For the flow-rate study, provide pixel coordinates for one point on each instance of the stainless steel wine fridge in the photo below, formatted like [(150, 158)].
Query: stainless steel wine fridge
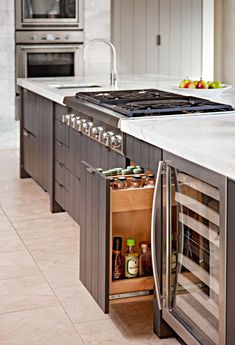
[(191, 269)]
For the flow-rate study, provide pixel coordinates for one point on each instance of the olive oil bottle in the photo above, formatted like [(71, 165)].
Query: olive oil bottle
[(131, 260)]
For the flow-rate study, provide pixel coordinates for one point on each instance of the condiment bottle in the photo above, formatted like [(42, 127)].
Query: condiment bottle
[(145, 263), (121, 182), (136, 181), (131, 260), (117, 260), (150, 181)]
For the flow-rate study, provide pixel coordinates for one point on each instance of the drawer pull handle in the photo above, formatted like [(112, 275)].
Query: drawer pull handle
[(25, 134), (61, 185), (91, 170), (59, 143), (61, 164)]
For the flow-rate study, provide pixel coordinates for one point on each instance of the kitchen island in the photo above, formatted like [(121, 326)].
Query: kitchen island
[(194, 152)]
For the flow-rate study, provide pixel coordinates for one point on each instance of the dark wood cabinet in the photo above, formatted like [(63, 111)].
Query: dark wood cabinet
[(142, 153), (37, 139), (106, 213)]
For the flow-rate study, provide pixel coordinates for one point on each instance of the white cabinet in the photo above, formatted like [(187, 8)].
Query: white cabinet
[(136, 25)]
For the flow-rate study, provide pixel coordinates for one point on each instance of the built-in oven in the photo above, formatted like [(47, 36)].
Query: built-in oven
[(47, 60), (38, 14)]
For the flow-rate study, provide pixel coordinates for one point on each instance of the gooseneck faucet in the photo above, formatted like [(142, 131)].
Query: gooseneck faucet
[(113, 69)]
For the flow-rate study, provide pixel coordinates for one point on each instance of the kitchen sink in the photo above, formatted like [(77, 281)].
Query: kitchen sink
[(74, 86)]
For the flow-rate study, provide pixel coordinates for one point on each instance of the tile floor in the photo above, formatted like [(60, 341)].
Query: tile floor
[(41, 298)]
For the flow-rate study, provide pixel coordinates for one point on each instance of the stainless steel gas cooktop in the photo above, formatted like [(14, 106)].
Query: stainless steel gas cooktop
[(151, 102)]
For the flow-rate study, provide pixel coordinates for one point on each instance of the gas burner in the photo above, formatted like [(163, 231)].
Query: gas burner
[(146, 102)]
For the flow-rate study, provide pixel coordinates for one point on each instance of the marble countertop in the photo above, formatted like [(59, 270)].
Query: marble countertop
[(207, 140), (48, 87)]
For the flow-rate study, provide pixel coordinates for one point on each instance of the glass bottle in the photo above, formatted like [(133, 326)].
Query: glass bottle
[(117, 261), (131, 260), (145, 263)]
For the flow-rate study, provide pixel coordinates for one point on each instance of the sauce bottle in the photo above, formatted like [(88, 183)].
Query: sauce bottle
[(131, 260), (117, 261), (145, 264)]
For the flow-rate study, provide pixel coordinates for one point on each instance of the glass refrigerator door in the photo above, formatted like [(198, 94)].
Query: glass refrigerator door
[(49, 9), (193, 248)]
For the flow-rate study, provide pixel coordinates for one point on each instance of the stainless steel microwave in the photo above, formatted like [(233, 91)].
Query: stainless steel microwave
[(47, 14)]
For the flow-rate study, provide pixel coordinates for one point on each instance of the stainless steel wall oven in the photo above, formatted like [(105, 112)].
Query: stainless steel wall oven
[(32, 14)]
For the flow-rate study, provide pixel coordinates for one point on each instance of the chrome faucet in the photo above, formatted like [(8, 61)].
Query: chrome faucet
[(113, 69)]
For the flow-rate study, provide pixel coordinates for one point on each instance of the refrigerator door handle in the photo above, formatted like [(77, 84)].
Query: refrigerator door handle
[(157, 190)]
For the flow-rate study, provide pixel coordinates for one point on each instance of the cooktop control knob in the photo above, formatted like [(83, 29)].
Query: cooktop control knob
[(65, 118), (71, 119), (89, 127), (116, 141), (94, 132), (100, 133), (106, 139), (74, 121), (78, 124), (50, 37), (84, 125)]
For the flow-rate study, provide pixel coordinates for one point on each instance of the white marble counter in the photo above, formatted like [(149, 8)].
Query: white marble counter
[(46, 87), (207, 140)]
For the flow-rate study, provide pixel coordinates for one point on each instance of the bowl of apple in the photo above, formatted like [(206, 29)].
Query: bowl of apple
[(202, 86)]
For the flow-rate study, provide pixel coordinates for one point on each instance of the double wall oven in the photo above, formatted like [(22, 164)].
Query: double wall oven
[(49, 39)]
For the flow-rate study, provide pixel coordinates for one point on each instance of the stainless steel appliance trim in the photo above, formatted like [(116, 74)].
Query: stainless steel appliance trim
[(157, 190), (23, 50), (24, 23), (40, 36), (168, 236), (219, 182)]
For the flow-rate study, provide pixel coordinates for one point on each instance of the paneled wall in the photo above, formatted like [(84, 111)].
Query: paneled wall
[(136, 24), (228, 43), (8, 126)]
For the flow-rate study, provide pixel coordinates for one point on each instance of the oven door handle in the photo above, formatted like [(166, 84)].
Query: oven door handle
[(50, 47), (157, 190)]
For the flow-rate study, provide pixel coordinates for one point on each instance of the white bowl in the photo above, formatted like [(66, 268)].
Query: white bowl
[(205, 91)]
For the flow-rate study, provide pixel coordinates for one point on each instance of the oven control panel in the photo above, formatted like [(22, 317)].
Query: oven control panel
[(49, 37), (111, 138)]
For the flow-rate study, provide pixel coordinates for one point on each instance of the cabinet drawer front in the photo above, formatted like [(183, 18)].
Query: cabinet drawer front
[(143, 153), (30, 118), (62, 175), (62, 132), (61, 196), (62, 153)]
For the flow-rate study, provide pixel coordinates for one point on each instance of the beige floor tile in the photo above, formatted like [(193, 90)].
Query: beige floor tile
[(107, 332), (25, 293), (79, 304), (61, 272), (54, 247), (26, 210), (46, 326), (58, 224), (16, 265)]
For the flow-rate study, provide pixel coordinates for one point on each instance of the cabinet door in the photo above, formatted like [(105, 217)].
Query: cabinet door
[(29, 116), (30, 159), (44, 114), (194, 255), (94, 235)]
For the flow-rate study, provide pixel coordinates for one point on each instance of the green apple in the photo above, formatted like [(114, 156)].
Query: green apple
[(184, 82), (216, 85)]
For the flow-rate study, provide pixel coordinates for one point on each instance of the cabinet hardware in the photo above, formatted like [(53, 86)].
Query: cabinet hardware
[(26, 134), (157, 190), (61, 164), (91, 170), (59, 143), (158, 40), (61, 185)]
